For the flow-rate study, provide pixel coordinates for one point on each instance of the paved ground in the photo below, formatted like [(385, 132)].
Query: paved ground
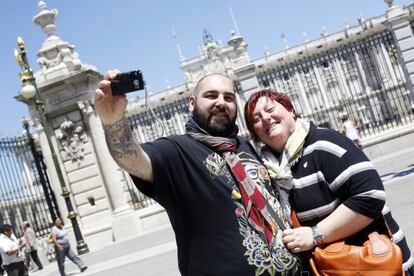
[(154, 253), (154, 248), (399, 188)]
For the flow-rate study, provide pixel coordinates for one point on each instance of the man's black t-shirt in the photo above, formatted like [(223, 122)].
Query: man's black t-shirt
[(195, 187)]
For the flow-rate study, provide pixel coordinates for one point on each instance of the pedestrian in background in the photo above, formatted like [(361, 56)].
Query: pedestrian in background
[(62, 247), (10, 251), (1, 267), (30, 245), (350, 130)]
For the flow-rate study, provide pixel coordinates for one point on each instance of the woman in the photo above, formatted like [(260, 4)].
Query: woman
[(62, 247), (349, 129), (347, 194)]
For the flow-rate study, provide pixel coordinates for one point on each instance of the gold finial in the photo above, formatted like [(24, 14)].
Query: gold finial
[(18, 57), (20, 42), (20, 54)]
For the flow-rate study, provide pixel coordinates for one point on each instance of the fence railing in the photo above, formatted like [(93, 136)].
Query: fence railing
[(363, 79), (25, 193)]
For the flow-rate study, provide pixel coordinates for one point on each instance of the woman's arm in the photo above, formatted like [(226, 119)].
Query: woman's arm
[(342, 223), (54, 240), (354, 181)]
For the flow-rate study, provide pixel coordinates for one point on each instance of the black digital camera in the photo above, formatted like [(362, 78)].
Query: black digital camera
[(127, 82)]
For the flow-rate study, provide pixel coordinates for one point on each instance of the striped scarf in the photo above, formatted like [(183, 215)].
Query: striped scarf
[(219, 144), (279, 168)]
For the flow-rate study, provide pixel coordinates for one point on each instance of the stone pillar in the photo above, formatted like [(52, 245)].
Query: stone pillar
[(362, 75), (399, 24), (110, 171), (302, 92), (92, 177), (328, 103), (140, 134), (390, 70), (114, 179), (240, 118), (340, 74), (383, 76)]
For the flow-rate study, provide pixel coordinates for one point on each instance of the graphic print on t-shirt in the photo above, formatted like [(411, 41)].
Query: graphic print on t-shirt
[(278, 259)]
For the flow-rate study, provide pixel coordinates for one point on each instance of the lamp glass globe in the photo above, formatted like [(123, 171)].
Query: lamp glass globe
[(28, 91)]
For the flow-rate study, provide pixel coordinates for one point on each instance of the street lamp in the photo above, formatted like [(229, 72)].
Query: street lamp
[(49, 195), (31, 92)]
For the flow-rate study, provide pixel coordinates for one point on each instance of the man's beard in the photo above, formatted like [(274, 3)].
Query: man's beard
[(206, 122)]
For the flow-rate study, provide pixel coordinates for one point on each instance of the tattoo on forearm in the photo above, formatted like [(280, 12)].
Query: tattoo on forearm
[(136, 172), (123, 146), (120, 139)]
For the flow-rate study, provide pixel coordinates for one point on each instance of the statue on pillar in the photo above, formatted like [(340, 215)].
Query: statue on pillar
[(56, 57)]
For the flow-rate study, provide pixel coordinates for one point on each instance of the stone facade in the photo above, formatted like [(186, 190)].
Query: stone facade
[(365, 70)]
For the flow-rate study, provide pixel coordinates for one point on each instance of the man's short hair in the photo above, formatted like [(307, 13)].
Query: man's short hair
[(26, 223), (198, 85), (6, 227)]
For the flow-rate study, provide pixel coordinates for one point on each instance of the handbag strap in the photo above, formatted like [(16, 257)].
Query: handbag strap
[(295, 219), (389, 232)]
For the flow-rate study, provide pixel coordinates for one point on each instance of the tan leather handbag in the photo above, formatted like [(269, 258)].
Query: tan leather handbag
[(377, 256)]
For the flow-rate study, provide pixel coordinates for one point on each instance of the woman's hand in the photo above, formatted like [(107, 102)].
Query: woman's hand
[(298, 239)]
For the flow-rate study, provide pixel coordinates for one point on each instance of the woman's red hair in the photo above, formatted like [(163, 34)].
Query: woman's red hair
[(279, 97)]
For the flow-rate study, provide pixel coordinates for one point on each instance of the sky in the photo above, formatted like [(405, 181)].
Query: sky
[(137, 34)]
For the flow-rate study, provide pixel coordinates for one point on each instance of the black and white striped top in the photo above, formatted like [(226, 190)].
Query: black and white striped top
[(333, 171)]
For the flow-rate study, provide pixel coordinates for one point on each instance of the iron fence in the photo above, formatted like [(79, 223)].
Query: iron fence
[(25, 193), (148, 125), (363, 79)]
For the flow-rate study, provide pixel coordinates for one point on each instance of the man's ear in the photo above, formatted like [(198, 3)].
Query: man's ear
[(191, 103)]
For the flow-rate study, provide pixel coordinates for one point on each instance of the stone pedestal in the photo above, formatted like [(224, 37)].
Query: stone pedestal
[(93, 181), (126, 225), (399, 24)]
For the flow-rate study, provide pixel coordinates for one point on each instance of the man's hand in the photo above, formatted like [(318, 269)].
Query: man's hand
[(109, 108), (122, 144)]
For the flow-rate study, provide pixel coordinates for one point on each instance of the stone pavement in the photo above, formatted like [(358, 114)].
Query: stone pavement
[(148, 244), (396, 169)]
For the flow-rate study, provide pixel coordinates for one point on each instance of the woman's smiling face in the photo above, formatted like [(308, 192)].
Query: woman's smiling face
[(272, 123)]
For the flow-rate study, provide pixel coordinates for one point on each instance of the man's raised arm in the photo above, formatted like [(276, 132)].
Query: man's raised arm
[(122, 145)]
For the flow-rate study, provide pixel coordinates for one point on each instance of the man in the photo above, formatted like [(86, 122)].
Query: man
[(10, 250), (192, 177), (30, 245)]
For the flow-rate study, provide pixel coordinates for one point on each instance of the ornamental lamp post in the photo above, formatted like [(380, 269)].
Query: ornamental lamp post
[(31, 92)]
